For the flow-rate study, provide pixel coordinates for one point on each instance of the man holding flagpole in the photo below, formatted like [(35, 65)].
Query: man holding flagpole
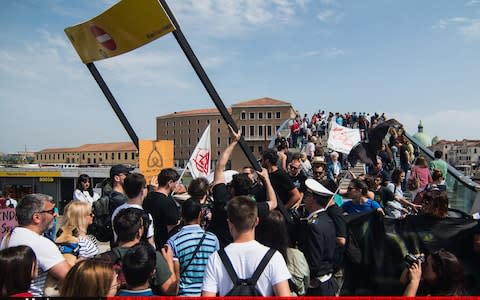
[(240, 185)]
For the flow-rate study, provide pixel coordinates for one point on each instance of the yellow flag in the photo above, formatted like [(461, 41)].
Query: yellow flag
[(127, 25), (155, 156)]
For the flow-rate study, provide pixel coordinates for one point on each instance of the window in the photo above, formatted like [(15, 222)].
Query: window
[(260, 130), (252, 130), (218, 121), (94, 160), (260, 149), (277, 115), (125, 155), (243, 115), (198, 122), (269, 130), (218, 141), (173, 123), (260, 115), (188, 122), (198, 130), (244, 130), (166, 124), (119, 155), (277, 127), (133, 155), (251, 116), (208, 121), (113, 156), (83, 156), (269, 115), (218, 130), (251, 149)]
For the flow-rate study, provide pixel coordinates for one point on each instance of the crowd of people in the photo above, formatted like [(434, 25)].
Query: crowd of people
[(277, 231)]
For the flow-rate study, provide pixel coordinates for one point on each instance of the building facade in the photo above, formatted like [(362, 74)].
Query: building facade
[(90, 154), (463, 155), (258, 120)]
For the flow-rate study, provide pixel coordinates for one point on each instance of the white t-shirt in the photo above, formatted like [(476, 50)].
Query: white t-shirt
[(127, 205), (45, 250), (85, 196), (245, 258)]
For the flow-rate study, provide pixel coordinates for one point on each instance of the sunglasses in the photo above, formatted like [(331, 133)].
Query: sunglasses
[(50, 211)]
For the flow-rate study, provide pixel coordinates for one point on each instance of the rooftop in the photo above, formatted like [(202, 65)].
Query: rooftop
[(104, 147)]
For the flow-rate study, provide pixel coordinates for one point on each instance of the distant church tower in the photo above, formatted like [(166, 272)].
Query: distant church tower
[(422, 137)]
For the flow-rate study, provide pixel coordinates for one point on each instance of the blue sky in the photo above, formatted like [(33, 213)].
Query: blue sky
[(414, 60)]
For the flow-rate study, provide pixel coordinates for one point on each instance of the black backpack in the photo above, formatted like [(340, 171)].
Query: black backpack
[(245, 287), (101, 227)]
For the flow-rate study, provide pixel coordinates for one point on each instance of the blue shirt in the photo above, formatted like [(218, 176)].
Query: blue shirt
[(183, 244), (350, 207), (131, 293)]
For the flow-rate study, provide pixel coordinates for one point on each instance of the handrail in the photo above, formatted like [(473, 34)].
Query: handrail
[(472, 185), (463, 193)]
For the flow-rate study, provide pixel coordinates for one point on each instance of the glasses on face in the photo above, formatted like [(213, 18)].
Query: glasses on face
[(91, 214), (317, 173), (293, 167), (50, 211)]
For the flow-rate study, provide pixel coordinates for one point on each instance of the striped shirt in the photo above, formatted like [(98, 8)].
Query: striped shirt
[(183, 244), (88, 248)]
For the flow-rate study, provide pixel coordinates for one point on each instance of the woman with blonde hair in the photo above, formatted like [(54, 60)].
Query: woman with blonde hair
[(79, 215), (90, 278)]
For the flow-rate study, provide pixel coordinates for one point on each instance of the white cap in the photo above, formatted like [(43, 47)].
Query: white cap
[(317, 188)]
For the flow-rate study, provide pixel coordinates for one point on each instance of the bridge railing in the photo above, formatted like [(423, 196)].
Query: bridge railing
[(463, 193)]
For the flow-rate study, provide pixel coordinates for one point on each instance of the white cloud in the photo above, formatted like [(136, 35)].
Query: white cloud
[(329, 2), (330, 16), (325, 53), (469, 28), (472, 2), (472, 30), (235, 17)]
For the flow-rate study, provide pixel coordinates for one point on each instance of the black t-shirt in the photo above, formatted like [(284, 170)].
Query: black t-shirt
[(281, 184), (218, 224), (165, 211), (299, 181)]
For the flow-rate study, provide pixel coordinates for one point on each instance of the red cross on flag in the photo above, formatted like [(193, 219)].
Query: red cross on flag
[(199, 163)]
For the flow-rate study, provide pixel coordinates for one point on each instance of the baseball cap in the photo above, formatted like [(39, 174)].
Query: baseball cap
[(317, 188), (119, 169)]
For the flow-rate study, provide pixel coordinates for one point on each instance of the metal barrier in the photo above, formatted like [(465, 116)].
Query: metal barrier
[(463, 193)]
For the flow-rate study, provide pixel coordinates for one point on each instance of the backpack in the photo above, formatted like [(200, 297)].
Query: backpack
[(101, 227), (245, 287)]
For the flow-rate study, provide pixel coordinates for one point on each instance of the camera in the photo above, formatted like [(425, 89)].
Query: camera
[(410, 259)]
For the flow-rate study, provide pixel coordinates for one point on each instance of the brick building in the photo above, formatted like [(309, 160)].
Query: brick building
[(258, 119)]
